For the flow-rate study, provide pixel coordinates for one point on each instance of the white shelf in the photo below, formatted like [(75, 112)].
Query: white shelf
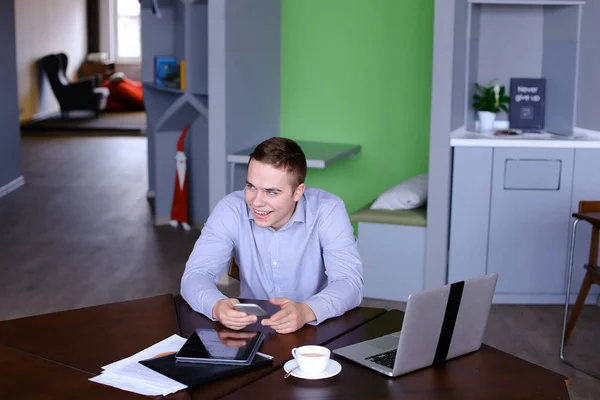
[(151, 85), (318, 154), (530, 2), (583, 138)]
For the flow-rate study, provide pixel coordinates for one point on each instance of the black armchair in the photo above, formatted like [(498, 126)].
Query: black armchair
[(84, 94)]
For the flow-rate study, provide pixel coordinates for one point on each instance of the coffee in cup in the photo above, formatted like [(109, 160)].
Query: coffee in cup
[(312, 360)]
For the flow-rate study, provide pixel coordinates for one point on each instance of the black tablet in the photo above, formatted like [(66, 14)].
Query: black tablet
[(195, 374), (220, 347)]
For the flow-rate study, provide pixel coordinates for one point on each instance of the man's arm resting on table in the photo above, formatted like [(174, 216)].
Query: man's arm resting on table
[(201, 293)]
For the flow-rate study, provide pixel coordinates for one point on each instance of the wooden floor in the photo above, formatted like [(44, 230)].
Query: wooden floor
[(80, 233)]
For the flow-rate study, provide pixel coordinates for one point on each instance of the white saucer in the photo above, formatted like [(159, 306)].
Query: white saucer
[(333, 368)]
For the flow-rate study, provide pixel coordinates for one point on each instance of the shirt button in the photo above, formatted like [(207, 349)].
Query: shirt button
[(274, 262)]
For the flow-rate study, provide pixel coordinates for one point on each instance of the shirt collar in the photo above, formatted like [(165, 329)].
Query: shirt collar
[(300, 212)]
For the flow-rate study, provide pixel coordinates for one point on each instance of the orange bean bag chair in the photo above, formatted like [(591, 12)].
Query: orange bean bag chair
[(125, 94)]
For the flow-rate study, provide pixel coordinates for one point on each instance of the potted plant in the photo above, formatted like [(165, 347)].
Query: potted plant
[(488, 100)]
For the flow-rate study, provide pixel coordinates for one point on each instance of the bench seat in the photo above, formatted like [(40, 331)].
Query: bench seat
[(414, 217)]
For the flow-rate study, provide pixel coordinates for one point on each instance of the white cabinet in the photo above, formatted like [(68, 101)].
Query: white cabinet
[(470, 212), (511, 214), (529, 223)]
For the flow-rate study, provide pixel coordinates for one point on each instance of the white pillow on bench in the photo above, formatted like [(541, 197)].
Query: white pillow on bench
[(409, 194)]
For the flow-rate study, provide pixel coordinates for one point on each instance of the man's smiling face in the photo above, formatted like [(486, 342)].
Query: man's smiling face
[(270, 195)]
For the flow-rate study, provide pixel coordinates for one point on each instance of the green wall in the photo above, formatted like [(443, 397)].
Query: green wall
[(357, 71)]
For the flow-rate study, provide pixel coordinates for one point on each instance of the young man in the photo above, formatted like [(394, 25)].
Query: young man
[(294, 246)]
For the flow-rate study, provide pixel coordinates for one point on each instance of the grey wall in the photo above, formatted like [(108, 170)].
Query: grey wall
[(243, 65), (589, 68), (559, 66), (497, 45), (439, 143), (496, 59), (216, 93), (253, 94), (459, 65), (10, 141)]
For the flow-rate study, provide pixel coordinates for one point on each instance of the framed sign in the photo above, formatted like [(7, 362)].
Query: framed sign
[(527, 103)]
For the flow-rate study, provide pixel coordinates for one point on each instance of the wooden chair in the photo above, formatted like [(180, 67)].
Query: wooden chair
[(589, 211), (234, 270)]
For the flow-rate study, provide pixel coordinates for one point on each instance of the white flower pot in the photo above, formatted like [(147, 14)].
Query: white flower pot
[(486, 120)]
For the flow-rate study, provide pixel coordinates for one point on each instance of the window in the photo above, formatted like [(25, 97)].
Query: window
[(127, 31)]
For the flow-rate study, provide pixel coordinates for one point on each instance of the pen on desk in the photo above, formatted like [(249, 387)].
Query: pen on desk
[(264, 355)]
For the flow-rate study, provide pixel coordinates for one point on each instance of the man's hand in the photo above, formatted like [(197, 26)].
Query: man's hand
[(224, 312), (291, 317)]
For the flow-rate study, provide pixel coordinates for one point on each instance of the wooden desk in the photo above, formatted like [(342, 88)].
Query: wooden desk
[(25, 376), (88, 338), (486, 374), (75, 344), (277, 345)]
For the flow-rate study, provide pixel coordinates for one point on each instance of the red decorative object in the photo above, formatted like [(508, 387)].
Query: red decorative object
[(125, 94), (179, 209)]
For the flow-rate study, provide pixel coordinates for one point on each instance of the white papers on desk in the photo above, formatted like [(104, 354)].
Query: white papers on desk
[(128, 374)]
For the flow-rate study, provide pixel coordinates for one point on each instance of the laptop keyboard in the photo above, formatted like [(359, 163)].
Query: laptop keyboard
[(386, 359)]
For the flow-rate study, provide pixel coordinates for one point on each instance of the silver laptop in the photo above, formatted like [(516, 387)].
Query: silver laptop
[(439, 324)]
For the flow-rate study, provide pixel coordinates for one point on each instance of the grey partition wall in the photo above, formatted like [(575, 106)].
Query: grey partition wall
[(588, 116), (179, 29), (244, 83), (442, 98), (526, 39), (560, 66), (230, 98), (10, 140), (459, 59)]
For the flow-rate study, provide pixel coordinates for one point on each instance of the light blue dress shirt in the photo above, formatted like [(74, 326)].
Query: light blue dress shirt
[(313, 258)]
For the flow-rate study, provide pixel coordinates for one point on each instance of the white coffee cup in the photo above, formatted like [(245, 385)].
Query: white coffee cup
[(312, 360)]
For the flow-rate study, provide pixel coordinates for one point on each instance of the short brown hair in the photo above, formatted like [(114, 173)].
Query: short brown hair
[(282, 153)]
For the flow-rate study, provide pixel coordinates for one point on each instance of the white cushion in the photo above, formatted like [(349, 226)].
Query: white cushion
[(409, 194)]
